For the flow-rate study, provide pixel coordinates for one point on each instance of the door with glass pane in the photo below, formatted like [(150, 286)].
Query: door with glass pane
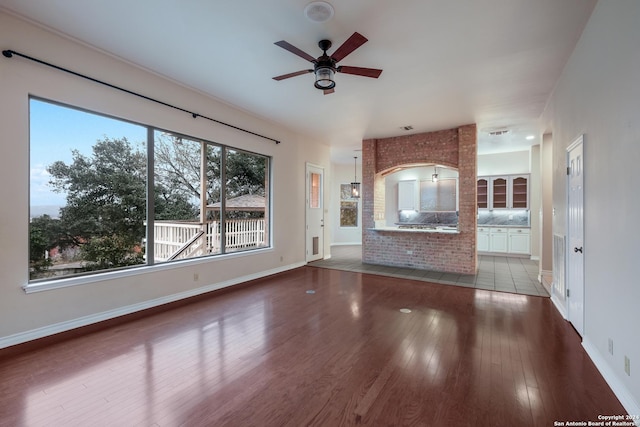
[(314, 213)]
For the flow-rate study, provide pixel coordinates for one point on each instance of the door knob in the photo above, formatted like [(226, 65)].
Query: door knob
[(578, 249)]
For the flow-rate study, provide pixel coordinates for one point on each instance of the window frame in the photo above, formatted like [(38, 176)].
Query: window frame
[(150, 264)]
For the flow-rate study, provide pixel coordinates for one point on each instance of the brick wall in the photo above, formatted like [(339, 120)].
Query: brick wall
[(454, 253)]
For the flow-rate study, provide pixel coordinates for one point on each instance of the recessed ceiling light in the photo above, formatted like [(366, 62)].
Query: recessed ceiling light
[(530, 137), (318, 11)]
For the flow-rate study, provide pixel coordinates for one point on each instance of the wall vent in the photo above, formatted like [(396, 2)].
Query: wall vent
[(498, 132)]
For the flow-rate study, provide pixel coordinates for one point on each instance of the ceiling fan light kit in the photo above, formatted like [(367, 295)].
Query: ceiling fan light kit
[(324, 78), (325, 65)]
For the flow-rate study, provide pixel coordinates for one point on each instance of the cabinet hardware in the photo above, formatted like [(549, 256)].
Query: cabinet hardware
[(577, 249)]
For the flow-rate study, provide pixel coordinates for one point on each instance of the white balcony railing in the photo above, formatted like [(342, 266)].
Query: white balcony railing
[(181, 240)]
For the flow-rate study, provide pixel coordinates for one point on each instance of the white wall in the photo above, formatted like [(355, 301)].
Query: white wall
[(503, 163), (546, 204), (534, 201), (598, 95), (26, 316), (344, 174)]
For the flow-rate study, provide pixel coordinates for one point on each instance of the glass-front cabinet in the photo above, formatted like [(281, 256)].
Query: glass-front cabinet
[(499, 196), (519, 188), (503, 192), (483, 193)]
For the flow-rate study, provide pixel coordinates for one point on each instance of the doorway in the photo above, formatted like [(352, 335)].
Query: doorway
[(575, 237), (314, 212)]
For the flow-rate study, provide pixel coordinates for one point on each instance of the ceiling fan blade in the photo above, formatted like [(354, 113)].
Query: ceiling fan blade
[(329, 91), (297, 73), (355, 41), (360, 71), (291, 48)]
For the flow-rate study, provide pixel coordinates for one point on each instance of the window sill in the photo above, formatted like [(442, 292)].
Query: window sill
[(133, 271)]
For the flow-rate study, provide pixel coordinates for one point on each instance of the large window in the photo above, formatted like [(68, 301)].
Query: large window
[(95, 207)]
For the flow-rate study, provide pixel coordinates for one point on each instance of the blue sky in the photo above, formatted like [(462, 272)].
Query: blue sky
[(55, 131)]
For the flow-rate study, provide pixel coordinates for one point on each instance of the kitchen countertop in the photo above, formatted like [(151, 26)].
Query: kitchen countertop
[(445, 230), (502, 226)]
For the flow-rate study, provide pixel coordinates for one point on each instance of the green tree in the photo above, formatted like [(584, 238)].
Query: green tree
[(245, 174), (178, 166), (43, 236), (106, 202)]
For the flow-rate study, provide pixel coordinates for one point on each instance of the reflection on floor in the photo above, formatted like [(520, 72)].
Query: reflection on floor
[(497, 273)]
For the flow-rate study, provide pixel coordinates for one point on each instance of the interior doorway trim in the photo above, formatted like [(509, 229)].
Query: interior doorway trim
[(575, 250), (314, 212)]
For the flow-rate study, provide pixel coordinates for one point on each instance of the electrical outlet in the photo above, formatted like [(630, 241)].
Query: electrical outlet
[(610, 346), (627, 365), (196, 277)]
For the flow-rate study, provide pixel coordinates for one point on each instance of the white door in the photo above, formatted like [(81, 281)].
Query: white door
[(315, 213), (575, 227)]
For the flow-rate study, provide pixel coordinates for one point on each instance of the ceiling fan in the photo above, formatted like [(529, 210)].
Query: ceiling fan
[(324, 67)]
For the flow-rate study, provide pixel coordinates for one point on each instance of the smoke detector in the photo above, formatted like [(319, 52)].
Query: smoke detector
[(318, 11)]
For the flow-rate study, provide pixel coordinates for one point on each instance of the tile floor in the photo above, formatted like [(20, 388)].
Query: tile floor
[(496, 273)]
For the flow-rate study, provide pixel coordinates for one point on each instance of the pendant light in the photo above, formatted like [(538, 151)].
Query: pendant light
[(355, 185), (434, 177)]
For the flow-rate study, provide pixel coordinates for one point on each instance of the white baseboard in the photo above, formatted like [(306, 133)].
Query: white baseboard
[(68, 325), (559, 306), (347, 244), (619, 389), (534, 258)]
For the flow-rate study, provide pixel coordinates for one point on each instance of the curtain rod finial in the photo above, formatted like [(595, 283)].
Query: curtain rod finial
[(7, 53)]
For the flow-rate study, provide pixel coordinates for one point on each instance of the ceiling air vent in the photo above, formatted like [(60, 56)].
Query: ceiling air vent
[(318, 11), (498, 132), (407, 127)]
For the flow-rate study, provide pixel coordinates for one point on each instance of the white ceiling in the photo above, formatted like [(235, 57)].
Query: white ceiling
[(446, 62)]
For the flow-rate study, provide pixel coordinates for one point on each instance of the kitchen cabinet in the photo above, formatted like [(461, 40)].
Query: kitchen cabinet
[(498, 240), (407, 195), (503, 192), (483, 239), (483, 193), (519, 191), (508, 240), (499, 192), (519, 241)]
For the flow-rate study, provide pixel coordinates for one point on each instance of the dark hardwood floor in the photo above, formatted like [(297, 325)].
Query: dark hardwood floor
[(317, 347)]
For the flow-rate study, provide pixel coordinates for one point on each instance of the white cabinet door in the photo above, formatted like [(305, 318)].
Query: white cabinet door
[(498, 240), (500, 192), (519, 241), (519, 191), (407, 195), (483, 240)]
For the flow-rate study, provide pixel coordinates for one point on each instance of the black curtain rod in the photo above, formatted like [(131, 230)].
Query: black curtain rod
[(9, 53)]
